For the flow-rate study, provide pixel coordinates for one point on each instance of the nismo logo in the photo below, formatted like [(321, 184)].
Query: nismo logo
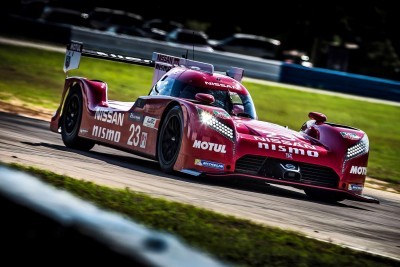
[(289, 149)]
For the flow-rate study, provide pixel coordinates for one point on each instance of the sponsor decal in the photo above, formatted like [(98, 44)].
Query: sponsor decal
[(162, 67), (293, 136), (278, 140), (289, 155), (220, 84), (221, 114), (83, 131), (209, 164), (109, 116), (168, 59), (355, 187), (107, 134), (135, 116), (351, 136), (209, 146), (289, 149), (67, 61), (149, 122), (75, 47), (143, 140), (289, 166), (358, 170)]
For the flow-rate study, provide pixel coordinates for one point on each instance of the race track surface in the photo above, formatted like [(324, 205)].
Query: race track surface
[(369, 227)]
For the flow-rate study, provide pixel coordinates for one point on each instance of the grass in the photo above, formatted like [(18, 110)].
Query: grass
[(35, 78), (227, 238)]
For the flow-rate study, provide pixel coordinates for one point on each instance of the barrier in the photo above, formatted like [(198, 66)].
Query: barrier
[(46, 226), (339, 81)]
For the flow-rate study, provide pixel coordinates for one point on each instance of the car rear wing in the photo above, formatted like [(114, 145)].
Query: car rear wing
[(161, 62)]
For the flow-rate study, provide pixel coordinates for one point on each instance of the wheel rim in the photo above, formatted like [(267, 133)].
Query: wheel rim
[(171, 139), (71, 116)]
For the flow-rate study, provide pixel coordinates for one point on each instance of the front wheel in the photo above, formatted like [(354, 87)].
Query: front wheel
[(71, 121), (170, 139)]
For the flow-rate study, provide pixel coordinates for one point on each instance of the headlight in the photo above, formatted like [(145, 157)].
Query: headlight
[(361, 148), (212, 122)]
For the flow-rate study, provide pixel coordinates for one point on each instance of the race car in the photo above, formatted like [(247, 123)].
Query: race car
[(202, 122)]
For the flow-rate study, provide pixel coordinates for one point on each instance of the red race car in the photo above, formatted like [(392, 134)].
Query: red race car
[(202, 122)]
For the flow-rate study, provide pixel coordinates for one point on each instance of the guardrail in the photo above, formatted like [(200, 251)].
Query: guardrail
[(339, 81)]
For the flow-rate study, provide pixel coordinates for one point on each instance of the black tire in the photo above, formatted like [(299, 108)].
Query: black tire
[(170, 139), (71, 121), (324, 196)]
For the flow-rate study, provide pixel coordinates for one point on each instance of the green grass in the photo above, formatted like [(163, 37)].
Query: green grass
[(35, 78), (226, 238)]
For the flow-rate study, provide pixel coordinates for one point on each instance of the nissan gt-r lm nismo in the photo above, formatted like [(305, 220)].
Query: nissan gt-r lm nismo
[(202, 122)]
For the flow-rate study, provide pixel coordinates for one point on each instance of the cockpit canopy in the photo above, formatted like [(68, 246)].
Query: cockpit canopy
[(228, 93)]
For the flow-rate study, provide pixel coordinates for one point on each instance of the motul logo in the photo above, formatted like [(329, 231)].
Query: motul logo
[(358, 170), (209, 146)]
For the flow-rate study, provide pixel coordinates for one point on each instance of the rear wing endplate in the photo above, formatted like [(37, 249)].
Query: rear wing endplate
[(161, 62), (75, 50)]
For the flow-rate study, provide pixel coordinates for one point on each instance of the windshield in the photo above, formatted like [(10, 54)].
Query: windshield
[(233, 103)]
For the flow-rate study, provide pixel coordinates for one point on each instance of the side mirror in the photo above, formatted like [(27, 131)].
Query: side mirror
[(318, 117), (237, 109), (205, 98)]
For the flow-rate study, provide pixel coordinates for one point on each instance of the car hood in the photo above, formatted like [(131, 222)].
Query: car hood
[(271, 130), (278, 140)]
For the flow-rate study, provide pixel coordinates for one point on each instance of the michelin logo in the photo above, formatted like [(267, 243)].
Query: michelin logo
[(355, 187), (209, 164)]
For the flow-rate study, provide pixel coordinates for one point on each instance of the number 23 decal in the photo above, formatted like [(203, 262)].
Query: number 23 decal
[(134, 138)]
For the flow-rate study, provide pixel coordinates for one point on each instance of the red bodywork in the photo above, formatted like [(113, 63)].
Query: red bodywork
[(314, 157)]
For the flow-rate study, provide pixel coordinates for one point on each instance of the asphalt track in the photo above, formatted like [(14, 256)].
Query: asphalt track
[(374, 228)]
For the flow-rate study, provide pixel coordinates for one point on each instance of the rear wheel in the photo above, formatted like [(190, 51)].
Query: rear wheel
[(324, 196), (170, 139), (71, 121)]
